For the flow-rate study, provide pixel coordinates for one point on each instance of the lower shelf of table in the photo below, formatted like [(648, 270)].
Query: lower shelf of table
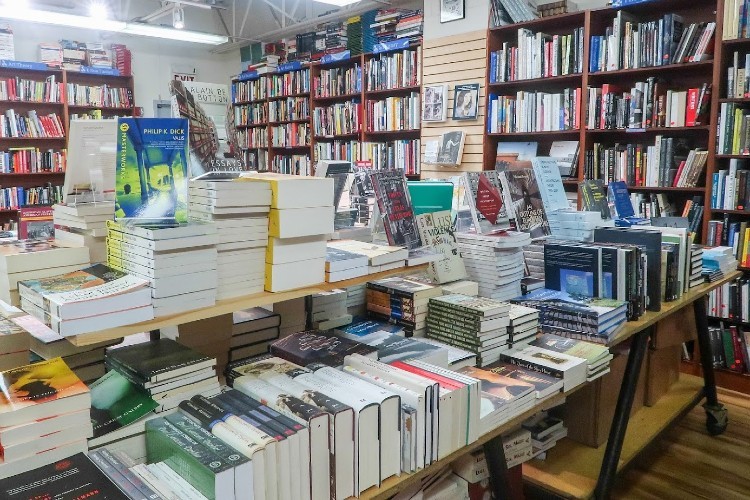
[(571, 469)]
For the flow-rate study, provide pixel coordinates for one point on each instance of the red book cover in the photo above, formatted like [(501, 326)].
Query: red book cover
[(35, 223), (692, 107), (489, 200), (444, 382), (679, 173), (737, 364)]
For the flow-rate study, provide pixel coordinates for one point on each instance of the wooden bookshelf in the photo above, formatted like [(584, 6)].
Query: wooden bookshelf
[(279, 153), (253, 155), (117, 82)]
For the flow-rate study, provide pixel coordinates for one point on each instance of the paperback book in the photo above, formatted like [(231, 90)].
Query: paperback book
[(524, 201), (396, 209)]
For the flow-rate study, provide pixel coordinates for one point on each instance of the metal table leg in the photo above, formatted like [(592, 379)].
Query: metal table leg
[(495, 455), (608, 470), (716, 414)]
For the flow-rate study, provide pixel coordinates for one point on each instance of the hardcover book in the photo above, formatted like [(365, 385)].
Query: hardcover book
[(303, 348), (152, 170), (500, 387), (35, 223), (116, 402), (438, 231), (395, 207), (586, 350), (544, 385), (158, 360), (477, 306), (575, 269), (524, 201), (593, 197), (487, 210)]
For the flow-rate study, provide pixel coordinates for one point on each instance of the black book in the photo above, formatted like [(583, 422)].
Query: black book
[(594, 197), (575, 269), (158, 360), (651, 242), (303, 348), (72, 477), (394, 202)]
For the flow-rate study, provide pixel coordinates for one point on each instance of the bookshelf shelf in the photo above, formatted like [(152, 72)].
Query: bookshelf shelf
[(573, 19), (730, 212), (729, 321), (705, 66), (735, 42), (252, 125), (335, 98), (284, 122), (24, 174), (231, 305), (101, 108), (657, 189), (728, 379), (572, 79), (301, 146), (567, 133), (353, 135), (650, 130), (240, 103), (737, 100), (38, 139), (393, 91), (730, 157), (389, 133), (282, 97), (30, 104)]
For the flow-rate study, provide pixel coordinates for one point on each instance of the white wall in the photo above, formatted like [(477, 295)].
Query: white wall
[(477, 18), (152, 57)]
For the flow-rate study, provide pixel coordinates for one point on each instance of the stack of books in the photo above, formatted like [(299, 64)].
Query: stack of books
[(87, 362), (545, 385), (328, 310), (44, 416), (719, 259), (343, 265), (123, 59), (88, 300), (579, 226), (477, 324), (252, 332), (293, 315), (597, 356), (380, 257), (15, 343), (503, 398), (410, 26), (472, 468), (356, 299), (517, 447), (533, 257), (84, 225), (167, 371), (178, 262), (240, 212), (301, 217), (495, 261), (209, 336), (696, 266), (573, 371), (401, 301), (545, 431), (33, 259), (524, 325)]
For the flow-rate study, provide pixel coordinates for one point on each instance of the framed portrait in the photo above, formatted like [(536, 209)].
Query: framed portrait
[(434, 103), (451, 10), (466, 101)]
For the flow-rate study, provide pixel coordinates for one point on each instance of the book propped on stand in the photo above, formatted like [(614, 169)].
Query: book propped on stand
[(619, 197)]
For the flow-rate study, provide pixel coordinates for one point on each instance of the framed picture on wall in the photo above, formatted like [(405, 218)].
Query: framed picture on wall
[(435, 103), (466, 101), (451, 10)]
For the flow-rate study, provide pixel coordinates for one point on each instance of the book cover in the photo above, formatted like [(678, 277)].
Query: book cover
[(35, 223), (451, 148), (524, 201), (116, 402), (395, 206), (575, 269), (73, 477), (543, 384), (506, 389), (490, 201), (465, 304), (586, 350), (152, 170), (38, 383), (617, 192), (582, 306), (303, 348), (593, 197), (148, 360), (438, 231)]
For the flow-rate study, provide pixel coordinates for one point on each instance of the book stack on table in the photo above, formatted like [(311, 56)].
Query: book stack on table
[(401, 301), (240, 212), (15, 343), (84, 225), (293, 315), (342, 265), (33, 259), (87, 300), (502, 397), (473, 469), (356, 299), (573, 371), (545, 431), (517, 447), (578, 226), (252, 331), (545, 385), (44, 416), (301, 216), (476, 324), (328, 310), (524, 325), (178, 262), (167, 371), (380, 257), (495, 261), (597, 356)]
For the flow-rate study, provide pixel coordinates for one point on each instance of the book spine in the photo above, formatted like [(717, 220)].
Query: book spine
[(559, 374)]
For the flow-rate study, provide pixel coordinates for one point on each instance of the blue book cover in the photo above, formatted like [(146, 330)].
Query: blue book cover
[(493, 67), (573, 269), (620, 197), (152, 170), (714, 189)]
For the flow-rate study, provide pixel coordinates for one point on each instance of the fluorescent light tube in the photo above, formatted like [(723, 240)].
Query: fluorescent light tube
[(173, 34), (338, 3)]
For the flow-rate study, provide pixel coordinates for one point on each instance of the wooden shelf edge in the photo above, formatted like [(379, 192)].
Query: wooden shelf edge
[(571, 469), (727, 379), (229, 306)]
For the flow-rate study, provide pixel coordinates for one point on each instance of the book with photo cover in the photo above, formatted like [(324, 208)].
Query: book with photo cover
[(434, 103), (116, 402), (35, 223), (544, 385), (303, 348), (466, 101), (451, 148), (574, 269), (483, 194), (396, 209), (524, 201)]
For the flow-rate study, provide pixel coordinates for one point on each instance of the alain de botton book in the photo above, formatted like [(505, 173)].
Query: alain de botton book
[(152, 170)]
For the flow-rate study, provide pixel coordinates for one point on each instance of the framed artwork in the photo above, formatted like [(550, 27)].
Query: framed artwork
[(451, 10), (466, 101), (434, 103)]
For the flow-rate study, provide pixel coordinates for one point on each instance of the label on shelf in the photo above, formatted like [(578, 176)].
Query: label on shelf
[(289, 66), (36, 66), (94, 70), (363, 163), (248, 75), (391, 45), (336, 57)]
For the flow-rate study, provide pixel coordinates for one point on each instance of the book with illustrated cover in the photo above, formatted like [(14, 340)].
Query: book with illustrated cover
[(504, 388), (438, 231), (475, 306), (575, 269), (593, 353), (35, 223), (72, 477), (116, 402), (303, 348), (484, 196), (524, 201), (594, 198), (30, 255), (581, 309), (544, 385), (40, 390), (395, 207), (152, 170), (451, 148), (157, 360)]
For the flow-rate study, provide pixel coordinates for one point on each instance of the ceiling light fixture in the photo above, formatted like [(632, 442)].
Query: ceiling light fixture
[(178, 17), (173, 34), (98, 10), (338, 3)]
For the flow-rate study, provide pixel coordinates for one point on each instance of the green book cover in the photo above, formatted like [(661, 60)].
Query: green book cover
[(116, 402), (152, 170)]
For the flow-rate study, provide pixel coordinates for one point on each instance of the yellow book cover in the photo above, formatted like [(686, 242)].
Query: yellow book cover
[(745, 262), (41, 382), (269, 274), (736, 131)]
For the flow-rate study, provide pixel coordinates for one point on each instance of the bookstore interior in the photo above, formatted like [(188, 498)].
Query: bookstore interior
[(451, 249)]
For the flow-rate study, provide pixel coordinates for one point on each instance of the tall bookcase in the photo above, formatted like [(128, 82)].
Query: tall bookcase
[(289, 121), (250, 106), (90, 100)]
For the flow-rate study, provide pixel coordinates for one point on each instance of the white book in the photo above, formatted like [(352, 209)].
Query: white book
[(164, 245), (59, 437), (152, 481), (302, 273), (182, 231), (571, 370), (286, 250), (294, 191), (176, 483), (69, 327), (299, 222), (52, 455)]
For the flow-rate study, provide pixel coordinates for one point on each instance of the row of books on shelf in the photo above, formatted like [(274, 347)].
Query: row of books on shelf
[(738, 79), (292, 108), (629, 43), (399, 154), (249, 90), (394, 114), (394, 70), (253, 138), (534, 112), (291, 83), (290, 135), (16, 125), (734, 130), (292, 164), (667, 163), (338, 81), (32, 160), (99, 95), (730, 348), (11, 198), (21, 89), (733, 234), (648, 104), (337, 119), (537, 55), (251, 114), (338, 150), (730, 189), (730, 301), (735, 20)]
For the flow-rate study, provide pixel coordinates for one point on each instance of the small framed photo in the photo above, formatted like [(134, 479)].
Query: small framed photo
[(466, 101), (451, 10), (434, 103)]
